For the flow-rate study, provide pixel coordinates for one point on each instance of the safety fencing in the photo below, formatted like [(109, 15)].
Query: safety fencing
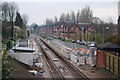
[(81, 55)]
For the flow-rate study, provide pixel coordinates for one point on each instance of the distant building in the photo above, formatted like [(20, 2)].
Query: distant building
[(67, 30)]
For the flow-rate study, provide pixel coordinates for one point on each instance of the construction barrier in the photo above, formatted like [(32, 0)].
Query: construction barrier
[(119, 66)]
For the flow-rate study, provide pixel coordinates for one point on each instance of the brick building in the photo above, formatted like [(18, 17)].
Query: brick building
[(66, 30)]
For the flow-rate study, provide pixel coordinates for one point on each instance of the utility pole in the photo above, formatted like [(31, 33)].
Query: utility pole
[(95, 36), (104, 33), (82, 33)]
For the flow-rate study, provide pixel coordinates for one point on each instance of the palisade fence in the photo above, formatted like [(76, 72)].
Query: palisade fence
[(109, 60), (75, 55)]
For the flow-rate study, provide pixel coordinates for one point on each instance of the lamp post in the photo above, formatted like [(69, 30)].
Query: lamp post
[(77, 56), (82, 33), (95, 36), (104, 33)]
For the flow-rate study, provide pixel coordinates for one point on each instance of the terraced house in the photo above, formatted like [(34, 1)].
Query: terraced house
[(68, 30)]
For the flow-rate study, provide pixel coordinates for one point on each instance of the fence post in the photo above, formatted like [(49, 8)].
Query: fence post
[(118, 66), (109, 62), (113, 64)]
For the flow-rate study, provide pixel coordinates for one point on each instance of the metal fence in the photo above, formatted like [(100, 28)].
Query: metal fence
[(74, 55)]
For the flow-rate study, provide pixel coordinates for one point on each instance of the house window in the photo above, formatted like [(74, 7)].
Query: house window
[(89, 29), (61, 25), (76, 29), (72, 28)]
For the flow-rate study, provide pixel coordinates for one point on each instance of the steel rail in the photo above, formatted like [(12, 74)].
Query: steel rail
[(75, 71), (56, 74)]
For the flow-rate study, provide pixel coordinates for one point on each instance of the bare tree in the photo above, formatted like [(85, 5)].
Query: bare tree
[(78, 16), (55, 19), (8, 11), (96, 20), (12, 11), (0, 18), (72, 16), (86, 15), (5, 8), (62, 17), (110, 20), (8, 15), (67, 18), (25, 19), (13, 8), (48, 21)]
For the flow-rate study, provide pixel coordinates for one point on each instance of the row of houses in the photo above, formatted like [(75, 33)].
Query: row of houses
[(67, 30)]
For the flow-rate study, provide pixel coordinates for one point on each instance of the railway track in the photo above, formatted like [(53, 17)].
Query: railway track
[(55, 73), (75, 71)]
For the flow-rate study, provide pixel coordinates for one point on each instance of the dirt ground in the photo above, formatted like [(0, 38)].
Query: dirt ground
[(97, 72)]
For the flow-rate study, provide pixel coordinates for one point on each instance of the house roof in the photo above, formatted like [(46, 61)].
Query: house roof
[(23, 49), (50, 25), (109, 47), (69, 24), (84, 25), (58, 24)]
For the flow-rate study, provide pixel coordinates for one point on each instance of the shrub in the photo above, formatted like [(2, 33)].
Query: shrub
[(6, 70)]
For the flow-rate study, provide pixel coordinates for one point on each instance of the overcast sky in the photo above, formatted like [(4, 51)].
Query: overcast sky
[(39, 10)]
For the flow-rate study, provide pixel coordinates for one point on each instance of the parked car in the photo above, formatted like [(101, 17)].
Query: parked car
[(84, 43), (78, 41), (81, 43), (87, 43), (61, 38), (92, 44), (50, 38), (73, 41)]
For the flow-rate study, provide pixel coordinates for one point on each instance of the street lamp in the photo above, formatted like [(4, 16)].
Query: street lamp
[(104, 33), (95, 36), (82, 33)]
